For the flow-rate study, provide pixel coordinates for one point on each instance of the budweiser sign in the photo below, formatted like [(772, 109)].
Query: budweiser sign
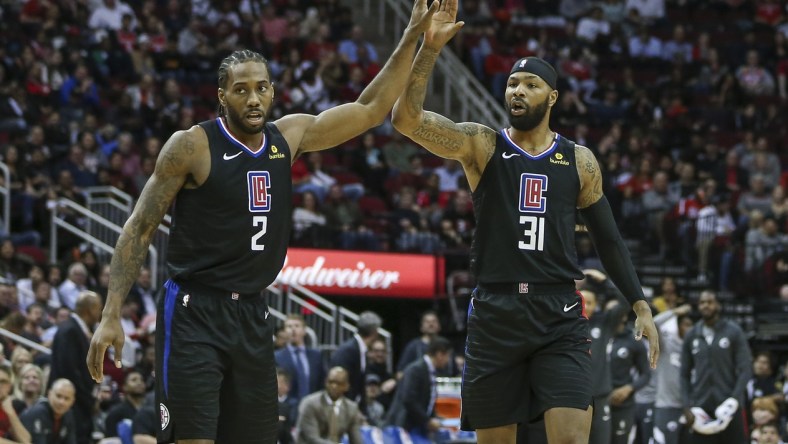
[(361, 273)]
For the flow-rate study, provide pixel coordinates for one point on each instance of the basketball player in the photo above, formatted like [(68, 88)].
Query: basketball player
[(527, 350), (230, 178)]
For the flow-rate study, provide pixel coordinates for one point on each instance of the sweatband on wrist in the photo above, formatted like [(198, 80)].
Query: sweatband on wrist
[(610, 247)]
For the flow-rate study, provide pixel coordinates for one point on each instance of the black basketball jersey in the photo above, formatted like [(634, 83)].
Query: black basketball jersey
[(525, 215), (232, 231)]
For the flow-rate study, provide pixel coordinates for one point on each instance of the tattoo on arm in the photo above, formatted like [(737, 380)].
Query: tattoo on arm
[(590, 178), (132, 246), (419, 77), (438, 130)]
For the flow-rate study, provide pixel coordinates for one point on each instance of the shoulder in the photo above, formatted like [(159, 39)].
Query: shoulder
[(182, 148)]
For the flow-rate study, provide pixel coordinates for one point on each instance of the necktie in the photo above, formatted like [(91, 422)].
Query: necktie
[(303, 378), (333, 426)]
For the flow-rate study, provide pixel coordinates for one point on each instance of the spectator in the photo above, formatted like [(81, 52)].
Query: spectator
[(377, 365), (593, 25), (133, 396), (308, 222), (416, 348), (668, 298), (677, 48), (288, 407), (52, 421), (143, 294), (374, 412), (650, 10), (29, 388), (349, 48), (69, 352), (74, 284), (145, 424), (303, 364), (763, 383), (760, 243), (109, 16), (753, 78), (352, 354), (413, 407), (11, 426), (344, 217), (327, 415)]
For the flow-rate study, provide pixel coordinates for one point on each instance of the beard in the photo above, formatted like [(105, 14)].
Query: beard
[(529, 120), (242, 124)]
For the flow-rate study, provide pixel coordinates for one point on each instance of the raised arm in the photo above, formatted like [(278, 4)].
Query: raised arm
[(339, 124), (595, 211), (173, 167), (433, 131)]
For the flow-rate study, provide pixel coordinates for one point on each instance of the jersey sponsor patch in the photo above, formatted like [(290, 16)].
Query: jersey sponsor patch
[(259, 197), (532, 188)]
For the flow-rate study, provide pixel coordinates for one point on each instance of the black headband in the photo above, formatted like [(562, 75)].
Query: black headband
[(535, 65)]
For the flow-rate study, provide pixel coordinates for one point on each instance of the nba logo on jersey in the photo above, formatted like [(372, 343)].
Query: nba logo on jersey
[(532, 188), (259, 183)]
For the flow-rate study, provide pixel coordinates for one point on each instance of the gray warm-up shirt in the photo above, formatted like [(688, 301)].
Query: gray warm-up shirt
[(713, 371)]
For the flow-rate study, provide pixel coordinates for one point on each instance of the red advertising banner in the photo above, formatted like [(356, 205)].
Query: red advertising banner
[(361, 273)]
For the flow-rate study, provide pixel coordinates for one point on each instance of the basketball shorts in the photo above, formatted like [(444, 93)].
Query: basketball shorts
[(215, 370), (525, 353)]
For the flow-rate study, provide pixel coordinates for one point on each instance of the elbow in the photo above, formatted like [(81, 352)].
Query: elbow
[(402, 122)]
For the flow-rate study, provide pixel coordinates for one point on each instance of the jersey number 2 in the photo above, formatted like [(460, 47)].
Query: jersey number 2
[(534, 233), (262, 222)]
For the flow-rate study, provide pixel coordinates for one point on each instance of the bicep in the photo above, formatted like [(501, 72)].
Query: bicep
[(172, 168), (590, 177)]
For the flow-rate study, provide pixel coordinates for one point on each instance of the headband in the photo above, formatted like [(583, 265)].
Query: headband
[(535, 65)]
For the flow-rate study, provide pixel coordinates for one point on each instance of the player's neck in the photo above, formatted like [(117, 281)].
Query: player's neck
[(252, 141), (533, 141)]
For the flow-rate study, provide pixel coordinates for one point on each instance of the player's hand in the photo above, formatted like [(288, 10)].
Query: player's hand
[(109, 333), (421, 16), (444, 25), (644, 326)]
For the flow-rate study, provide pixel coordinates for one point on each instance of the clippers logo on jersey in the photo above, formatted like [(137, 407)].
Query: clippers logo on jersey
[(532, 188), (259, 198)]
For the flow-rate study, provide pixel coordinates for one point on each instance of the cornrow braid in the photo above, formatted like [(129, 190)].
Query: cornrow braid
[(239, 56)]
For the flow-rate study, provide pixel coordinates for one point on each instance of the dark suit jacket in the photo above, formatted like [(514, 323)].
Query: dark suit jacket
[(69, 352), (317, 371), (348, 356), (313, 414), (288, 413), (409, 408)]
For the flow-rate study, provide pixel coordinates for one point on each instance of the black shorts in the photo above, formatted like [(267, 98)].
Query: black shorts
[(215, 367), (525, 354)]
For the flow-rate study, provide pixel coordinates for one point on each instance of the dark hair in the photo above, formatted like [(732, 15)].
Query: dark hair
[(438, 344), (283, 373), (240, 56)]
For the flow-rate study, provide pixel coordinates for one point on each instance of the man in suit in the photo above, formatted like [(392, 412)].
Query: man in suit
[(288, 407), (352, 354), (304, 364), (69, 351), (325, 416), (413, 407)]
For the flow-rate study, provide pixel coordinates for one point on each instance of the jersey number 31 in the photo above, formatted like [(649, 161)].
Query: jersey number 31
[(534, 233)]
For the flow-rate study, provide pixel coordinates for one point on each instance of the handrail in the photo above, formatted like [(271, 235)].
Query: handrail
[(61, 223), (5, 190), (113, 191), (464, 97), (24, 341)]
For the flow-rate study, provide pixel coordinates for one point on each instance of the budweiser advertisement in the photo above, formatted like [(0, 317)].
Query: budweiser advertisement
[(361, 273)]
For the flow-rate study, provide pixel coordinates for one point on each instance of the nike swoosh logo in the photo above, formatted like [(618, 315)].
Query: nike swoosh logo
[(508, 156), (266, 314), (226, 157), (569, 307)]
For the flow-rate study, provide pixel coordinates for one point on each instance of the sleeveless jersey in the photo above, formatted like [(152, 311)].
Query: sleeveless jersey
[(232, 231), (525, 215)]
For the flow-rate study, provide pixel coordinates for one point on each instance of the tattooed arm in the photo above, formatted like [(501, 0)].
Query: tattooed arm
[(174, 166), (470, 143), (590, 177)]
